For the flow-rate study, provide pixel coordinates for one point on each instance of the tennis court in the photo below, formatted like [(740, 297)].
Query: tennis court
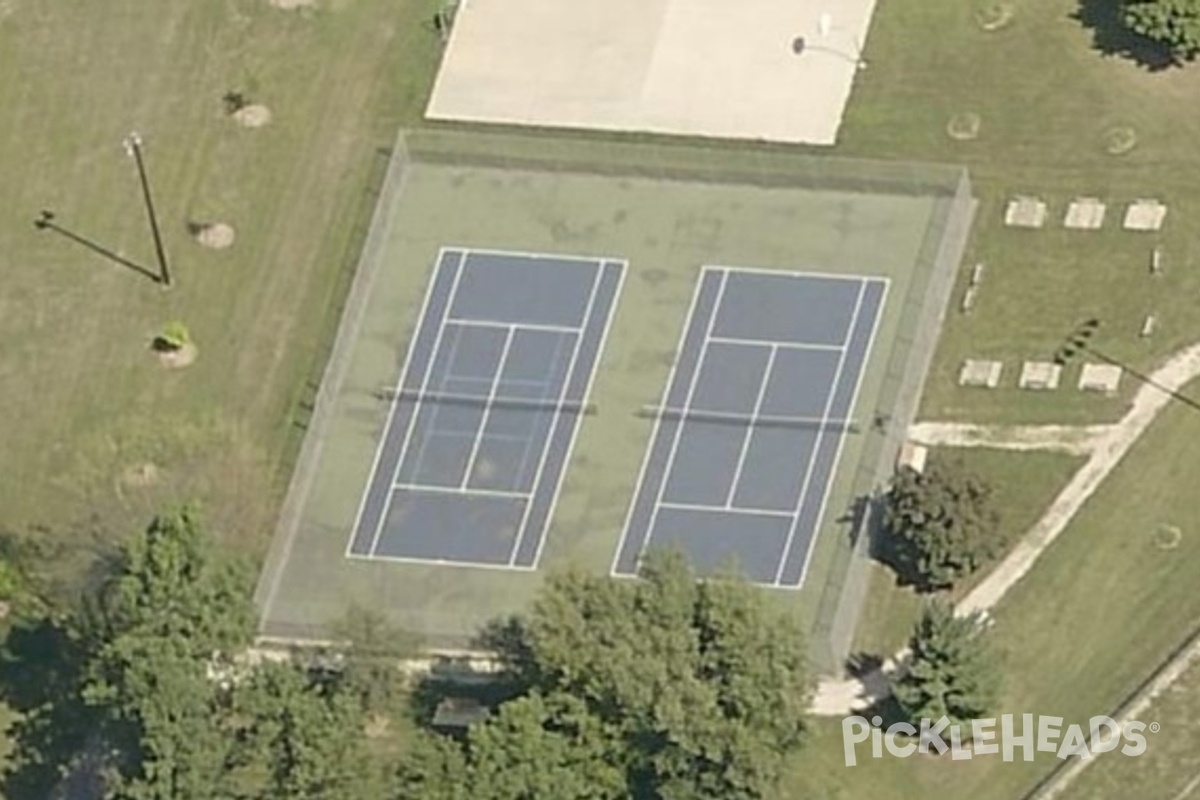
[(484, 417), (753, 420)]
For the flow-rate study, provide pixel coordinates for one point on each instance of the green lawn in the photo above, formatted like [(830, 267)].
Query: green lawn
[(1046, 97), (1170, 767), (86, 403), (1101, 610), (1024, 484)]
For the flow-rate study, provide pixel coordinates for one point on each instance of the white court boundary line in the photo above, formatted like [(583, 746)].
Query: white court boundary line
[(863, 282), (743, 342), (837, 456), (391, 418), (599, 264), (749, 432), (438, 338), (558, 402), (669, 384), (421, 487), (623, 265), (490, 403), (749, 512), (522, 531), (816, 451), (687, 402)]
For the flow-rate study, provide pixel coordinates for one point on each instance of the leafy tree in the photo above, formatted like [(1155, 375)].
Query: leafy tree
[(433, 768), (174, 336), (545, 747), (299, 737), (372, 651), (951, 672), (1174, 23), (947, 517), (172, 609), (705, 688)]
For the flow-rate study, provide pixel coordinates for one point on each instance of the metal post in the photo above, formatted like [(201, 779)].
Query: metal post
[(133, 146)]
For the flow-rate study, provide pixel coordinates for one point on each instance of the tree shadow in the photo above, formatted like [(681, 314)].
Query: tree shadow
[(895, 552), (1112, 37), (861, 664), (40, 678)]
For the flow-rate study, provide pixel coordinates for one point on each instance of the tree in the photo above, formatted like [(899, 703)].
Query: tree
[(947, 518), (539, 747), (172, 608), (704, 688), (299, 736), (1174, 23), (951, 672)]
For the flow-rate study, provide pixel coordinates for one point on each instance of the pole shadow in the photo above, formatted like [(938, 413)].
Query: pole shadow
[(46, 222)]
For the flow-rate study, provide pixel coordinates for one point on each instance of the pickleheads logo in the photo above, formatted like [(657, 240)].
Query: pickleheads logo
[(1004, 736)]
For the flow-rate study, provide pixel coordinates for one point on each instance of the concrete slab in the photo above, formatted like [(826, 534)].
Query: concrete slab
[(688, 67), (1085, 213), (1044, 375), (1025, 212), (1145, 215)]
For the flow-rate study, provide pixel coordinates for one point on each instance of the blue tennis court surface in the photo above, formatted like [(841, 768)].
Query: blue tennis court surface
[(482, 424), (752, 423)]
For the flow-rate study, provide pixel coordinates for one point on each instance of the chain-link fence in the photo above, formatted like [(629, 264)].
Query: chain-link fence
[(908, 364), (759, 165), (911, 351)]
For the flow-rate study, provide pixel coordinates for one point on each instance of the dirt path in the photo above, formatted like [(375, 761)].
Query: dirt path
[(1105, 445), (1078, 440)]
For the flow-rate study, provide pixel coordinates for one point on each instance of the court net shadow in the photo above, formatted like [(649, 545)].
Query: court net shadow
[(47, 222), (1111, 37)]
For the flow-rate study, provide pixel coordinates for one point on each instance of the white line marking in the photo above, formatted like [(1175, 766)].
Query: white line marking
[(441, 562), (687, 402), (487, 409), (362, 503), (862, 371), (597, 260), (640, 485), (587, 393), (816, 451), (474, 322), (425, 487), (433, 412), (752, 512), (558, 415), (780, 273), (765, 342), (412, 424), (749, 433)]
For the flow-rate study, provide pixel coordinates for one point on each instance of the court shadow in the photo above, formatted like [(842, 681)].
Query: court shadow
[(1111, 37)]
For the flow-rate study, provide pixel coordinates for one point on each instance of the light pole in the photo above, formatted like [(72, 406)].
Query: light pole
[(133, 147)]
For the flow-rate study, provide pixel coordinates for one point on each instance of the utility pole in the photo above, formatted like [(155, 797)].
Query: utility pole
[(133, 147)]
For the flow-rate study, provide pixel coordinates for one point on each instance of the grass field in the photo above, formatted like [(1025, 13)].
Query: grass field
[(86, 403), (1101, 610), (1046, 97), (1024, 484), (1170, 767)]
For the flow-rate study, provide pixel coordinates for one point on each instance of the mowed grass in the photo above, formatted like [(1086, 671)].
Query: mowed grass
[(1024, 485), (1046, 97), (1104, 606), (1170, 767), (86, 403)]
